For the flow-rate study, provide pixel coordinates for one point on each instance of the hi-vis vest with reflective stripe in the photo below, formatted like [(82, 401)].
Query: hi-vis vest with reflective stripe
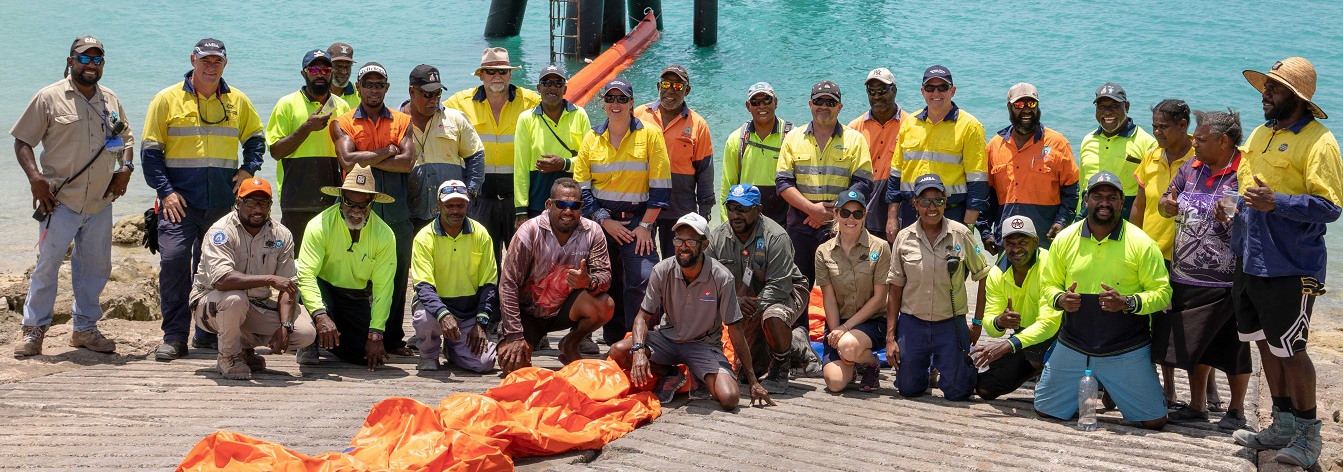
[(821, 174), (953, 148), (176, 126), (496, 135)]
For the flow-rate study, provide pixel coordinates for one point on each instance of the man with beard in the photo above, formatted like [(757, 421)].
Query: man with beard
[(455, 293), (545, 144), (446, 147), (696, 297), (1031, 171), (1106, 275), (555, 276), (74, 121), (299, 140), (193, 131), (493, 109), (689, 148), (342, 65), (881, 127), (772, 292), (751, 153), (1291, 181), (1013, 304), (345, 270), (249, 254), (376, 136), (1117, 146)]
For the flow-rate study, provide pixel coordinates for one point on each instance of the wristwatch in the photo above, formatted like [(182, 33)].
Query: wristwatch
[(636, 347), (1131, 304), (127, 167), (288, 327), (592, 282), (374, 336), (483, 320), (646, 225)]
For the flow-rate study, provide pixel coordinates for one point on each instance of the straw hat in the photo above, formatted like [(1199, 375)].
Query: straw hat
[(494, 58), (360, 179), (1297, 74)]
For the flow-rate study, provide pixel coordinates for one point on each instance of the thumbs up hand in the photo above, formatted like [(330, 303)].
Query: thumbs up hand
[(1071, 300), (1112, 300), (579, 278), (1009, 319), (1260, 197)]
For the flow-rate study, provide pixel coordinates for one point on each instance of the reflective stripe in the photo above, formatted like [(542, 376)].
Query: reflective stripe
[(951, 189), (626, 166), (659, 183), (863, 174), (822, 189), (198, 162), (498, 169), (932, 157), (787, 174), (977, 177), (151, 145), (225, 131), (896, 172), (496, 138), (822, 170), (620, 196)]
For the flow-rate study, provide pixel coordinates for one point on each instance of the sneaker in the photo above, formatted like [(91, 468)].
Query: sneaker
[(776, 381), (808, 367), (700, 392), (1187, 415), (427, 365), (211, 344), (31, 345), (1276, 436), (234, 367), (870, 381), (253, 361), (1304, 449), (92, 340), (668, 385), (170, 350), (587, 346), (1231, 421), (307, 355)]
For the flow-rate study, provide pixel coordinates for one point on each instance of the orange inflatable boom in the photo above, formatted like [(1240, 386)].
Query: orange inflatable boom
[(587, 82)]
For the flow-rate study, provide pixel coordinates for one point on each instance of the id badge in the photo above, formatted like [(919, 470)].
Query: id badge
[(746, 271)]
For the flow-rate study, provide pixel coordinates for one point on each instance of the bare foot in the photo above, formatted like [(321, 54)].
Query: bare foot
[(569, 349)]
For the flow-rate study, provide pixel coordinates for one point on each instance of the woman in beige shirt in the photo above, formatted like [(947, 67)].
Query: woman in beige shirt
[(853, 271)]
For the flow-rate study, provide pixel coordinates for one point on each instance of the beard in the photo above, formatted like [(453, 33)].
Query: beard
[(1278, 110), (351, 225), (316, 85), (247, 222), (1096, 218), (687, 262), (496, 88), (79, 77)]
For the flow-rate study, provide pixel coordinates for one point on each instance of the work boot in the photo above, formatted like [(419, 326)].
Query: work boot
[(253, 361), (92, 340), (170, 350), (307, 355), (668, 385), (211, 344), (234, 367), (1304, 449), (31, 344), (427, 365), (1276, 436), (1231, 421), (588, 346), (776, 381)]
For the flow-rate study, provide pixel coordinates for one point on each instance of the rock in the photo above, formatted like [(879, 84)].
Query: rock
[(1338, 417), (4, 306), (129, 230)]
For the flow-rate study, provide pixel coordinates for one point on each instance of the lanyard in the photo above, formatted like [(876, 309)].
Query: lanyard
[(102, 115)]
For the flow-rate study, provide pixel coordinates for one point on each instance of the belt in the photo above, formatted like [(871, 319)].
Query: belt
[(624, 215)]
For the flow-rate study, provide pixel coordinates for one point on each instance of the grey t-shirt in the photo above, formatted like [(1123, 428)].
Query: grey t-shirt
[(695, 310)]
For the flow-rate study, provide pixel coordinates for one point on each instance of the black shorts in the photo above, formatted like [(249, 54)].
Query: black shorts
[(1274, 309), (1009, 372), (533, 328)]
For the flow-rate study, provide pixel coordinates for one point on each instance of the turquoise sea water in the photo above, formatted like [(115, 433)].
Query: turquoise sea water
[(1193, 50)]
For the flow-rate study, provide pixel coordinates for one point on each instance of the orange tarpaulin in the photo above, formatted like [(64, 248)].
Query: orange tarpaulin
[(532, 412)]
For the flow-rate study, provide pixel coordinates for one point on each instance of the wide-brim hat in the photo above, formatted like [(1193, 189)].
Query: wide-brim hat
[(360, 179), (494, 58), (1297, 74)]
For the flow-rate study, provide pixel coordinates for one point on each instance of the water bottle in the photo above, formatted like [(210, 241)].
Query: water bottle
[(1088, 396)]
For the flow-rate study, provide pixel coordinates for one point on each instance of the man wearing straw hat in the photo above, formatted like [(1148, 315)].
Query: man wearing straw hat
[(1291, 183), (345, 270)]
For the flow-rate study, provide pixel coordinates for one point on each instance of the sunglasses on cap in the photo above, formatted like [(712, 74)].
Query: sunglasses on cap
[(567, 205), (855, 214), (766, 100), (824, 102), (616, 98), (1020, 104), (97, 61), (318, 70), (353, 204), (497, 71), (936, 88), (667, 84), (453, 189), (930, 202), (432, 95), (551, 83), (373, 85), (878, 91)]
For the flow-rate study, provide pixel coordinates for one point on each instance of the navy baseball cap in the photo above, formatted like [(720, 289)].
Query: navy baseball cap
[(850, 196), (937, 72), (551, 70), (619, 83), (927, 181), (314, 55), (1111, 91), (1105, 177), (210, 47), (745, 194)]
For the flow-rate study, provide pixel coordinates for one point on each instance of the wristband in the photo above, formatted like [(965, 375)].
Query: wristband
[(978, 321)]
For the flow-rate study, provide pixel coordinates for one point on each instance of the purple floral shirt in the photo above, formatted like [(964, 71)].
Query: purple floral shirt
[(1202, 254)]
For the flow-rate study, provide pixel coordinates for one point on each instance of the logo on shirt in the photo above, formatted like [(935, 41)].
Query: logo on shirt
[(279, 243), (873, 255), (686, 133), (1046, 151), (219, 238), (1282, 147), (708, 297), (760, 244)]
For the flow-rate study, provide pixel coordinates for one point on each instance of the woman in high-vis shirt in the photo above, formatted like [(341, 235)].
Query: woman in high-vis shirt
[(853, 271)]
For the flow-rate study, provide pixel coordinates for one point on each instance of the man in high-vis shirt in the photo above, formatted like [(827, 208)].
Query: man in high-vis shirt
[(446, 146), (376, 136), (625, 174), (751, 153), (189, 150), (1116, 146), (345, 269), (1291, 180), (545, 144), (493, 109), (880, 125), (300, 142), (945, 140), (816, 163), (689, 147), (1031, 171), (342, 66), (1106, 276)]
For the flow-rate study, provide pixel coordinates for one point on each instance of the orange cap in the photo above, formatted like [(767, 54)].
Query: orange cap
[(254, 185)]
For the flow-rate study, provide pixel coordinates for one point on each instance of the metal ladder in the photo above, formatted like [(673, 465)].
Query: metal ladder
[(562, 14)]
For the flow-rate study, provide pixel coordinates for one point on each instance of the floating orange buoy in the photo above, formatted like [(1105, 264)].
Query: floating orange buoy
[(586, 82)]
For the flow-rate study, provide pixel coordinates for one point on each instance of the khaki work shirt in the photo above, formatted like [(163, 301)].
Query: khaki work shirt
[(229, 247), (70, 130), (920, 267), (853, 277)]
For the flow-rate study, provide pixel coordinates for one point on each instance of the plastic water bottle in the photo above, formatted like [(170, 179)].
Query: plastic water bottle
[(1088, 396)]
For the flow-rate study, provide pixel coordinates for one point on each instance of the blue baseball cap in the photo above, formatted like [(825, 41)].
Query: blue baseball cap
[(314, 55), (620, 84), (745, 194)]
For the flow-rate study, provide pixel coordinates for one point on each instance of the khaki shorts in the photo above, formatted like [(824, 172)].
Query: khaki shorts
[(792, 309)]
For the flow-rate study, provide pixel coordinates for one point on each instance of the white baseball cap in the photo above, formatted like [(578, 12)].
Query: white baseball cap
[(695, 222), (452, 189)]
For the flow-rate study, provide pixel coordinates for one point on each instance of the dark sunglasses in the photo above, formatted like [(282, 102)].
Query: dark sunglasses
[(855, 214), (877, 92), (97, 61), (824, 102), (432, 95), (256, 202), (616, 98), (936, 88), (755, 102), (667, 84), (1025, 104), (567, 205), (930, 202), (551, 83), (319, 70), (734, 207), (358, 205), (497, 71), (373, 85)]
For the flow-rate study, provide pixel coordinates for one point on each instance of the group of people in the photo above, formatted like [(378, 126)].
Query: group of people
[(508, 216)]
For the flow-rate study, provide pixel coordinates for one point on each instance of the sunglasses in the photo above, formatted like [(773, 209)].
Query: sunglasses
[(374, 85), (353, 204), (824, 102), (1025, 104), (453, 189), (497, 71), (567, 205), (877, 92), (734, 207), (693, 243), (755, 102), (97, 61), (257, 202), (936, 88), (667, 84), (550, 83), (319, 70), (616, 98), (855, 214), (930, 202), (431, 95)]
